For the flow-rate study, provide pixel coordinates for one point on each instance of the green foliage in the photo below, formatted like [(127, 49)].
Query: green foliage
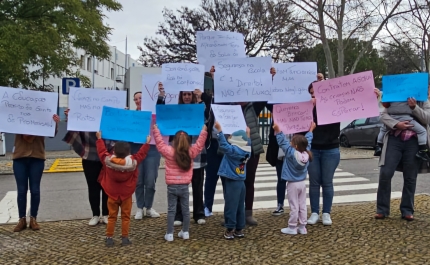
[(401, 58), (45, 34)]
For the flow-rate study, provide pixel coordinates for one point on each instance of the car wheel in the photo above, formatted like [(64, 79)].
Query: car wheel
[(344, 141)]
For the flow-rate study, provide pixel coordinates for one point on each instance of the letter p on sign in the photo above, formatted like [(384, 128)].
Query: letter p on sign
[(70, 82)]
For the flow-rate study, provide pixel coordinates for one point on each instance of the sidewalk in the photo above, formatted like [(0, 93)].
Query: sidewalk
[(69, 161), (354, 238)]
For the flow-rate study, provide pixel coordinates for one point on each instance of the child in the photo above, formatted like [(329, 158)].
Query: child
[(233, 170), (179, 172), (294, 171), (119, 178), (402, 112)]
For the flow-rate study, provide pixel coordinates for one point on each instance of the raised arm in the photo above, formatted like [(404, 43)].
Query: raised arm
[(422, 113), (224, 146), (162, 147), (309, 136), (142, 153), (196, 149), (283, 143), (101, 150)]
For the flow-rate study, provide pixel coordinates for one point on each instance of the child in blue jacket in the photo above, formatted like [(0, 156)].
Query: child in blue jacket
[(233, 171), (294, 171)]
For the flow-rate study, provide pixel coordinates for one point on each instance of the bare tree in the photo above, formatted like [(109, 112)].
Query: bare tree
[(265, 25), (344, 20)]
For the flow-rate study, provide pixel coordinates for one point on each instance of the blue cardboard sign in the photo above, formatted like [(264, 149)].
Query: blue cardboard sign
[(125, 125), (176, 117), (68, 82), (398, 88)]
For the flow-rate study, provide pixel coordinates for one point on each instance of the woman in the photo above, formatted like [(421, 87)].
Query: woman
[(325, 148), (199, 163), (84, 144), (28, 165), (148, 174), (402, 145)]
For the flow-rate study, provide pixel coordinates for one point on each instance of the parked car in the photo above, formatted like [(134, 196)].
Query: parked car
[(361, 132)]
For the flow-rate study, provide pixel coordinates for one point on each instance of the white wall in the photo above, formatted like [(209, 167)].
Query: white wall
[(133, 81)]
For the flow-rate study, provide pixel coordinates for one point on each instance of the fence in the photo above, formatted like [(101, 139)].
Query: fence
[(265, 120)]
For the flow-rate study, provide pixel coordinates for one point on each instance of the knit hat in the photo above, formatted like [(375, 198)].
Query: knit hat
[(240, 139)]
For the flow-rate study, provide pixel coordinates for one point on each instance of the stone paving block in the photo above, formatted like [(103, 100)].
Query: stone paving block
[(354, 238)]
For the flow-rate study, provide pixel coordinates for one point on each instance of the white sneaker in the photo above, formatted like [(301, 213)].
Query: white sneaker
[(207, 212), (184, 235), (139, 214), (94, 221), (302, 230), (326, 219), (177, 223), (313, 219), (289, 231), (201, 221), (105, 219), (168, 237), (152, 213)]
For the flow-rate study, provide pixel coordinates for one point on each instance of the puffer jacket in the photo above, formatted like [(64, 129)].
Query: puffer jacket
[(174, 174)]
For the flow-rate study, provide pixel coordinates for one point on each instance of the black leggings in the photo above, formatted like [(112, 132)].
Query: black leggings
[(92, 171)]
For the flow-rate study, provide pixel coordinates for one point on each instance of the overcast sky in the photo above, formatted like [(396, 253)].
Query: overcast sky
[(139, 19)]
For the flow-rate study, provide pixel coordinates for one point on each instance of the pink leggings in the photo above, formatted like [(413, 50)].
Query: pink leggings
[(296, 193)]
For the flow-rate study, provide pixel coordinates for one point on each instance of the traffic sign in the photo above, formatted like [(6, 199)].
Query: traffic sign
[(70, 82)]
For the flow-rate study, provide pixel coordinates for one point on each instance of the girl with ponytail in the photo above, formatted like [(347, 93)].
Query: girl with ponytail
[(179, 171)]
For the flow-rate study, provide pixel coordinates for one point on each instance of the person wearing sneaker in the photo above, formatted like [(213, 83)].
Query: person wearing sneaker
[(402, 144), (84, 145), (179, 170), (233, 170), (294, 171), (118, 178), (401, 111), (148, 171), (28, 158)]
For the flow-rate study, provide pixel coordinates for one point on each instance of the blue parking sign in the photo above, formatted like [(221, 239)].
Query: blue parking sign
[(70, 82)]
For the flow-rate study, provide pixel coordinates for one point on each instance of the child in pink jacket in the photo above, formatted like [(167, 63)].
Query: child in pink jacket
[(179, 172)]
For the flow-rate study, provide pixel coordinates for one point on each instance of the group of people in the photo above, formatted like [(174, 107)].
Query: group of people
[(116, 170)]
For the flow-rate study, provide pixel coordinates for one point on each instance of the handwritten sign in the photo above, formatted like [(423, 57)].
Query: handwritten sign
[(398, 88), (86, 106), (125, 125), (346, 98), (243, 80), (291, 81), (230, 117), (150, 93), (215, 45), (293, 117), (27, 112), (186, 117), (178, 77)]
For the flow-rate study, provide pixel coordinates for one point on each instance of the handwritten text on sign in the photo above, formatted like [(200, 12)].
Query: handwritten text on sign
[(293, 117), (230, 117), (27, 112), (182, 77), (398, 88), (150, 93), (186, 117), (346, 98), (290, 84), (216, 45), (125, 125), (243, 80), (86, 106)]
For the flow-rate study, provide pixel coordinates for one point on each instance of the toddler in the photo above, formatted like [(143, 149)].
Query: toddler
[(179, 171), (401, 111), (233, 171), (118, 178), (294, 171)]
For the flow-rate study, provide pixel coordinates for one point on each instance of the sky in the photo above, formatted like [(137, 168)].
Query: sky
[(139, 19)]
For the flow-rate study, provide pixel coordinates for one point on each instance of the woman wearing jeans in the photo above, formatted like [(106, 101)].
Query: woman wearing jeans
[(28, 165)]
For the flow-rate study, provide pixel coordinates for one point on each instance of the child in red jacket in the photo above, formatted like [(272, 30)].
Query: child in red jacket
[(119, 178)]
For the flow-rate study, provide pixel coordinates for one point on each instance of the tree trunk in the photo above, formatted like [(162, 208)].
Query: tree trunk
[(340, 47), (326, 47)]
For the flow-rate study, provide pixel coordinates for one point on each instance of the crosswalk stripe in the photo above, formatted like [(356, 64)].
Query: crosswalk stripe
[(9, 207)]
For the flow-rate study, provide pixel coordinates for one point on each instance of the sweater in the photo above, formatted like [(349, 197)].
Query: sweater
[(118, 177), (233, 164), (293, 169), (174, 174), (29, 146), (325, 136)]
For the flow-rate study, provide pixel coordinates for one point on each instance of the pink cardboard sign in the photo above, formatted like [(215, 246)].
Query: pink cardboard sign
[(293, 117), (153, 121), (346, 98)]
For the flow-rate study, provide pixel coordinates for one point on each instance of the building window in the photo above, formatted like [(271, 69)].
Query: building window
[(89, 64), (102, 68), (112, 73), (82, 62)]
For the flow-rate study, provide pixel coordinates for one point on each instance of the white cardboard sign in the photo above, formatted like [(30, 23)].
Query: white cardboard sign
[(230, 117), (178, 77)]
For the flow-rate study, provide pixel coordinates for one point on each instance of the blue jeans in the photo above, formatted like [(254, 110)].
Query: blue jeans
[(281, 185), (148, 173), (321, 171), (214, 161), (28, 170), (234, 207)]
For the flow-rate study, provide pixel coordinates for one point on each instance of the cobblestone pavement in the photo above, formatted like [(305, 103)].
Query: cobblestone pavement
[(6, 161), (354, 238)]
